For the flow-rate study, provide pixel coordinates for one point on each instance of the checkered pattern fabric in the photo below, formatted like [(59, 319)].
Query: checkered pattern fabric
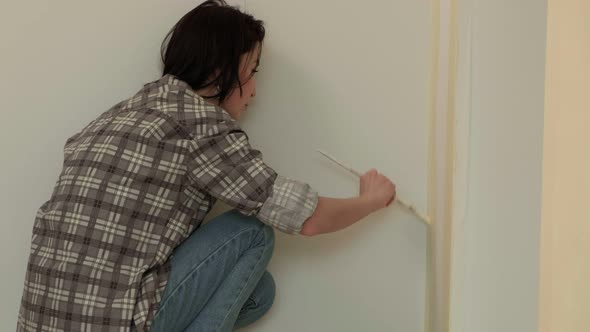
[(135, 183)]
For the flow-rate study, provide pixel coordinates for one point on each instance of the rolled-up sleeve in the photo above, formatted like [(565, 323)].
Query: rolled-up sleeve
[(226, 167), (290, 204)]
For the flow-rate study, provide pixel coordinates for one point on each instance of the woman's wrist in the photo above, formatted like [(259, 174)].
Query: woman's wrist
[(369, 203)]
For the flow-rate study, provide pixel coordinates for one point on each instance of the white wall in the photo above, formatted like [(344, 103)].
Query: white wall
[(352, 78), (565, 269), (495, 275)]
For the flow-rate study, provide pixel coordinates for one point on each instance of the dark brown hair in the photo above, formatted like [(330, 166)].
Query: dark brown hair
[(211, 37)]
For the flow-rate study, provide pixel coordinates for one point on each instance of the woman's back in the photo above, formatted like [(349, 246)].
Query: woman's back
[(121, 204)]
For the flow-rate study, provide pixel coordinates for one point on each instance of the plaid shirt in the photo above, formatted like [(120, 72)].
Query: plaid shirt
[(135, 183)]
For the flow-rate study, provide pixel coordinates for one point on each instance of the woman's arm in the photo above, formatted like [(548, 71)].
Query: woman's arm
[(333, 214)]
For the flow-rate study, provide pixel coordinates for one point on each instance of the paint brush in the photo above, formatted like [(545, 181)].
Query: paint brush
[(403, 203)]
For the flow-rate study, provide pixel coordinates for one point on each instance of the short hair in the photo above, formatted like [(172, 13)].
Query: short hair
[(211, 37)]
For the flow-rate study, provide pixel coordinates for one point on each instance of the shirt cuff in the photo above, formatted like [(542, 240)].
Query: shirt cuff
[(291, 203)]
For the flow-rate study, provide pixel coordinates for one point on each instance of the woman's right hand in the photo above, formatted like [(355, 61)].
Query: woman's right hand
[(377, 189)]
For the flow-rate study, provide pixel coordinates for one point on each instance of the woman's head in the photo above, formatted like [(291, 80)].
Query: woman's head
[(215, 48)]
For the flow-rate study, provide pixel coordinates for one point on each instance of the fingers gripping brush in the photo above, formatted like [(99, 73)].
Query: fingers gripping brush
[(399, 200)]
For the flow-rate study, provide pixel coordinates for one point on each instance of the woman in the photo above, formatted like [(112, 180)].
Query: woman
[(120, 245)]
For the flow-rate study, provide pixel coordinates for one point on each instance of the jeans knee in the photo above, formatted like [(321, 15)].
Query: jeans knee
[(264, 235)]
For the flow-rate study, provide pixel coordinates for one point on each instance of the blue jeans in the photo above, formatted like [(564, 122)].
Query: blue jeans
[(218, 280)]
